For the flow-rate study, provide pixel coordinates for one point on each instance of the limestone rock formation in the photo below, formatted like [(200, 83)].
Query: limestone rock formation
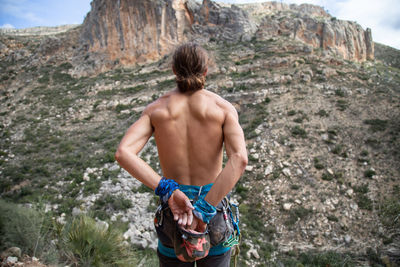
[(312, 25), (259, 10), (130, 32), (138, 31), (134, 31), (343, 38), (212, 20), (42, 31)]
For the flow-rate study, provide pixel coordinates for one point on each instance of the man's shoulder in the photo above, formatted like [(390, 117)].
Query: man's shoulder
[(221, 102), (158, 103)]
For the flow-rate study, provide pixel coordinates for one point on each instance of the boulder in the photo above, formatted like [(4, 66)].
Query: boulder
[(13, 252)]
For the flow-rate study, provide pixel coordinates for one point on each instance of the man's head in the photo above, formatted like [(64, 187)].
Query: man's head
[(190, 67)]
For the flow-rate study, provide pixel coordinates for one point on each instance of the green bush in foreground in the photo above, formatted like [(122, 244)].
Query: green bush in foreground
[(80, 242), (27, 228), (84, 242)]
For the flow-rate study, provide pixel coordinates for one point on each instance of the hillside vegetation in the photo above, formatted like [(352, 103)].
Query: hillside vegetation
[(323, 136)]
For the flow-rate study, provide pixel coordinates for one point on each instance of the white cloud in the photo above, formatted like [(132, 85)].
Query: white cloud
[(21, 9), (7, 26), (383, 17)]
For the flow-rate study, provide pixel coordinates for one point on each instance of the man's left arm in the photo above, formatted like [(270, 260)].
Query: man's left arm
[(131, 144), (127, 156)]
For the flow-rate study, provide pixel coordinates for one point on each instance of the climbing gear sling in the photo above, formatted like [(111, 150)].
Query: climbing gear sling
[(234, 240)]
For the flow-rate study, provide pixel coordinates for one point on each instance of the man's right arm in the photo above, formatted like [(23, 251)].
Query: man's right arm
[(235, 147)]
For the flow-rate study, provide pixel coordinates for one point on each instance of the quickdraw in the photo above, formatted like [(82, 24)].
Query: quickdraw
[(234, 240)]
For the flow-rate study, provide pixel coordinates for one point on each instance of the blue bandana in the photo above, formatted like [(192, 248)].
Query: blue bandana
[(165, 189), (204, 210)]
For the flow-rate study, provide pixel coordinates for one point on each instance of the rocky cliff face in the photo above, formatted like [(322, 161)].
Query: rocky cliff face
[(312, 25), (38, 30), (134, 31), (131, 32)]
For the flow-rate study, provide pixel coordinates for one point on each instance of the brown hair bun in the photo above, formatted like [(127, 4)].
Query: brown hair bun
[(190, 66)]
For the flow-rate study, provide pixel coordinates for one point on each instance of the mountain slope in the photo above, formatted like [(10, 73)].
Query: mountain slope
[(322, 134)]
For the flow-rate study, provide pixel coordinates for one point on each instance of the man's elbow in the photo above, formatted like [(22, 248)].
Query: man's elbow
[(241, 159), (119, 154), (243, 162)]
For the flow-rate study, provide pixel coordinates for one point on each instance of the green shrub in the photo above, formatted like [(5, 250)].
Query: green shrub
[(92, 186), (363, 189), (86, 243), (254, 123), (377, 125), (389, 212), (142, 189), (364, 202), (60, 77), (294, 186), (332, 218), (26, 228), (166, 84), (110, 203), (339, 92), (369, 173), (317, 164), (342, 104), (327, 176), (121, 107), (299, 119), (337, 149), (330, 258), (242, 191), (44, 79), (295, 214), (64, 66), (297, 131), (135, 89), (106, 93)]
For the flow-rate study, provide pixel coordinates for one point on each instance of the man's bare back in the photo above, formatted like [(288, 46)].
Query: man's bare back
[(188, 129), (190, 126)]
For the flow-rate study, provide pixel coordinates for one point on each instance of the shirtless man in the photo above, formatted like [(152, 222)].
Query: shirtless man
[(190, 127)]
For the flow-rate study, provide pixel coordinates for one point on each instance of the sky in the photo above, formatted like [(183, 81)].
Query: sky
[(382, 16)]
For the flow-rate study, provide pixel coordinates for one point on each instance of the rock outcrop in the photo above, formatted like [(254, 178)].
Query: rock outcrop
[(130, 32), (134, 31), (38, 30), (213, 20), (343, 38)]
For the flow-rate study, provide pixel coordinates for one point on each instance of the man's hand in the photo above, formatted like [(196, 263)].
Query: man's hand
[(181, 208), (198, 225)]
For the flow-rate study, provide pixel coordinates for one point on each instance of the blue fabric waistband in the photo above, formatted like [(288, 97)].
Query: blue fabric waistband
[(170, 252), (192, 191)]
